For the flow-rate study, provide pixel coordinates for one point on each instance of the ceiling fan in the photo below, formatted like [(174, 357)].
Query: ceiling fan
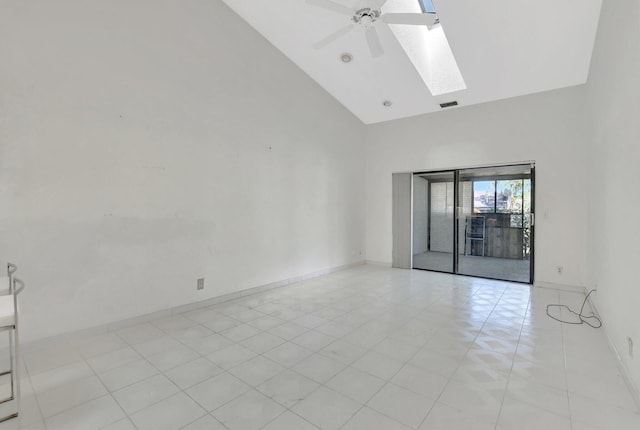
[(366, 17)]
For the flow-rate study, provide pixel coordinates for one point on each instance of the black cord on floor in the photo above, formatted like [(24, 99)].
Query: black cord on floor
[(584, 319)]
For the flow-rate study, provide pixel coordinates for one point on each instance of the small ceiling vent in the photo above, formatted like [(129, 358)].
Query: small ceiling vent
[(448, 104)]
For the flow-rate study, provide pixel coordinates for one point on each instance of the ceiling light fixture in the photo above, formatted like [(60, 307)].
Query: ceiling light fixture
[(346, 57), (386, 103)]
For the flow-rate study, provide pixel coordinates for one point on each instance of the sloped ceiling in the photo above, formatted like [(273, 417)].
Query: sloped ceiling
[(504, 48)]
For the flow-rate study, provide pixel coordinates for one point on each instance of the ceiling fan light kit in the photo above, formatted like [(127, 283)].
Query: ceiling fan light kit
[(365, 17)]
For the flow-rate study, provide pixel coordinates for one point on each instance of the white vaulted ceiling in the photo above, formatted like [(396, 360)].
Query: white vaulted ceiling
[(503, 48)]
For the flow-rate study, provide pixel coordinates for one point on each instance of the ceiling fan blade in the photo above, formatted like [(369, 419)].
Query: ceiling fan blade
[(373, 40), (332, 6), (410, 18), (333, 36)]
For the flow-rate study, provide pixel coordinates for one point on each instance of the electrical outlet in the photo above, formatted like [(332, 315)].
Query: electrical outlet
[(630, 344), (200, 285), (559, 269)]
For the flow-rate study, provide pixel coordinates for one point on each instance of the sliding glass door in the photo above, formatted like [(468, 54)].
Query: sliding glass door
[(433, 221), (494, 222), (475, 222)]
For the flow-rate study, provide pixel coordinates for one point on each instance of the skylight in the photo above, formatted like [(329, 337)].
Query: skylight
[(427, 48), (427, 6)]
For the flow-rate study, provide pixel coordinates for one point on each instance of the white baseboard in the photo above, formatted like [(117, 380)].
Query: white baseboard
[(562, 287), (52, 341), (378, 263), (129, 322), (626, 375)]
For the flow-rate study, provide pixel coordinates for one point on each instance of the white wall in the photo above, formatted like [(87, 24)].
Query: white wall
[(546, 127), (142, 150), (614, 176)]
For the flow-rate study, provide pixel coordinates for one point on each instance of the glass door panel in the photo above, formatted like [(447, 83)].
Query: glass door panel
[(433, 221), (494, 229)]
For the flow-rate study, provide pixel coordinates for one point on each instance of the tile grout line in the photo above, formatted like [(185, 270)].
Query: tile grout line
[(512, 361), (564, 368), (385, 311), (477, 334)]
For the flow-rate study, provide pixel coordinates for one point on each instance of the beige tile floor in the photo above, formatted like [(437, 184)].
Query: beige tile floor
[(368, 348)]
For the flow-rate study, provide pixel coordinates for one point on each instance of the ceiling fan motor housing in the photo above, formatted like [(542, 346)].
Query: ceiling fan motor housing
[(366, 17)]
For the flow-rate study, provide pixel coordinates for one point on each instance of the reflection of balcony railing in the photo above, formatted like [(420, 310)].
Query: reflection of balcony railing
[(506, 235)]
